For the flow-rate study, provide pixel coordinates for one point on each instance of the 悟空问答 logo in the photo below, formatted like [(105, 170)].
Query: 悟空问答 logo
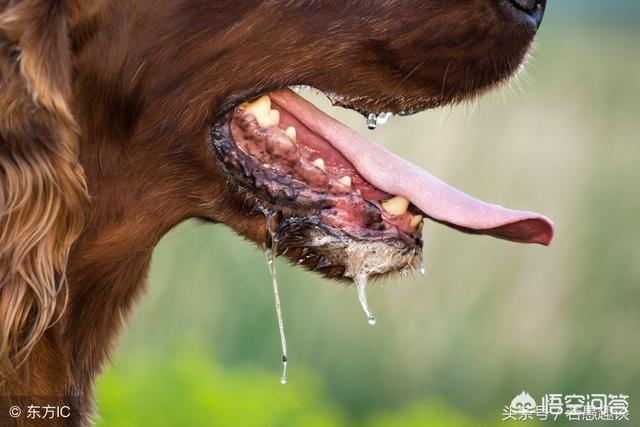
[(522, 407)]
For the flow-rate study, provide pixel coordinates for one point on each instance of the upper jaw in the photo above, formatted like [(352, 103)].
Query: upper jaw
[(364, 104), (402, 104)]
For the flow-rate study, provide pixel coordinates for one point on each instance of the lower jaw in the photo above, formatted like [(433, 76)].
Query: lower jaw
[(337, 254), (300, 227)]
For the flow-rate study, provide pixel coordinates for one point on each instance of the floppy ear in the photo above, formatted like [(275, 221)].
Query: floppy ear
[(42, 189)]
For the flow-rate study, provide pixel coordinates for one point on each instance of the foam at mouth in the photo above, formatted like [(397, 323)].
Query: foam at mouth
[(294, 138)]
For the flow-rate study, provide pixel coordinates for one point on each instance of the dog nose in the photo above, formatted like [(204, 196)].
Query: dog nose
[(534, 9), (526, 5)]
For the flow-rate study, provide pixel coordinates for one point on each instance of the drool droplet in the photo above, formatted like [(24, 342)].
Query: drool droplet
[(361, 285), (421, 268), (283, 379), (372, 121), (383, 118), (270, 255)]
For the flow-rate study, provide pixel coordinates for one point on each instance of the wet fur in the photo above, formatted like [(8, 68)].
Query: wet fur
[(105, 113)]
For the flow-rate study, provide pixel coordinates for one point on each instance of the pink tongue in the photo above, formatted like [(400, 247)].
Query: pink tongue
[(435, 198)]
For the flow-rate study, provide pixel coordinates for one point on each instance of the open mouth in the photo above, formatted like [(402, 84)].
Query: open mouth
[(341, 204)]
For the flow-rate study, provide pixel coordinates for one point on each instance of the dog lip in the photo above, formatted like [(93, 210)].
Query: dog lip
[(366, 105), (360, 104)]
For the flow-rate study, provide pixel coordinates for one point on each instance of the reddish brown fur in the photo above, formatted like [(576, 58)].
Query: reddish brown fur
[(148, 78)]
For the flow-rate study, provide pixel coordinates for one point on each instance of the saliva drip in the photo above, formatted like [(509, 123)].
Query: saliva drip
[(270, 255), (421, 267), (360, 277), (383, 118), (375, 120), (372, 121), (361, 284)]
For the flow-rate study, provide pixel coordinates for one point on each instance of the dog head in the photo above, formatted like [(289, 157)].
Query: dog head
[(195, 85), (168, 106)]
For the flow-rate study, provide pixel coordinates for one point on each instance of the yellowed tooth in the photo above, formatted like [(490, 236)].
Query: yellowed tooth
[(319, 163), (261, 109), (275, 115), (415, 221), (396, 205), (262, 104), (345, 180), (272, 119), (291, 133)]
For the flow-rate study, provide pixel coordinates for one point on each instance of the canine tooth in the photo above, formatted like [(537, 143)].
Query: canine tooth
[(319, 163), (291, 133), (262, 104), (272, 119), (345, 180), (396, 205), (415, 221), (261, 109)]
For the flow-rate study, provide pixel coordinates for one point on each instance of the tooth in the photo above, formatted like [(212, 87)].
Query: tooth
[(319, 163), (396, 205), (261, 109), (415, 221), (291, 133), (262, 104), (345, 180), (272, 119)]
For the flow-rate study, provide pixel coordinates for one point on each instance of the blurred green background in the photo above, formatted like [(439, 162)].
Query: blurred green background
[(490, 319)]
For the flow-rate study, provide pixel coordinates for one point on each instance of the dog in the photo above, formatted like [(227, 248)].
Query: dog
[(121, 118)]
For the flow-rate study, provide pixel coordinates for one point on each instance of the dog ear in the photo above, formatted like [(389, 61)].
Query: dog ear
[(42, 189)]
